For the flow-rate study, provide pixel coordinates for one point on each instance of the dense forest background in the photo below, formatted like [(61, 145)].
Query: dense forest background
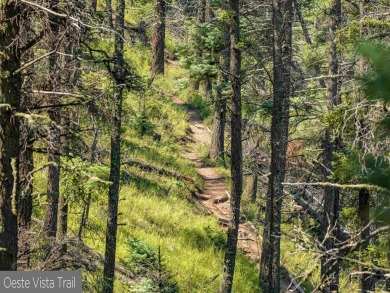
[(112, 113)]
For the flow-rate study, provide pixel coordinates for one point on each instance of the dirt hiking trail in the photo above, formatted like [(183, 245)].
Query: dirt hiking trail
[(214, 197)]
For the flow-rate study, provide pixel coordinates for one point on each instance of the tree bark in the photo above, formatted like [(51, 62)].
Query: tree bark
[(158, 42), (329, 263), (62, 228), (282, 37), (54, 135), (113, 193), (236, 151), (10, 95)]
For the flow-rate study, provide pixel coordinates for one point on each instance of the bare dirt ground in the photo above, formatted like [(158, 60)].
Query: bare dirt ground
[(214, 197)]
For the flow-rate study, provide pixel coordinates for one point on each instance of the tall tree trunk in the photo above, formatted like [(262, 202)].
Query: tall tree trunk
[(329, 263), (10, 93), (113, 193), (217, 145), (282, 36), (158, 42), (236, 151), (54, 135)]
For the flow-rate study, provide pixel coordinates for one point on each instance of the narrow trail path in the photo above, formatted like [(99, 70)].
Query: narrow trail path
[(214, 197)]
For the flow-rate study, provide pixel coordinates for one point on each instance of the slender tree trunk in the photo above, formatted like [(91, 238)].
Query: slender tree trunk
[(10, 93), (217, 145), (282, 36), (218, 133), (236, 151), (113, 193), (63, 223), (54, 136), (53, 176), (329, 263), (158, 42), (251, 186), (366, 282), (62, 228)]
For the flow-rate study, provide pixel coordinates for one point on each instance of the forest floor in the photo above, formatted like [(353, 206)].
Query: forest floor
[(214, 197)]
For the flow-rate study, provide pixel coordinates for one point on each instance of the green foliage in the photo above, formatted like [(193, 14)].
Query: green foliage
[(80, 179), (202, 71), (225, 16), (363, 168), (202, 107), (140, 256), (142, 125), (207, 40), (378, 85), (265, 107)]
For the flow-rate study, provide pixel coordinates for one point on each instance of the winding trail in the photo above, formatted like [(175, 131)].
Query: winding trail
[(214, 197)]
